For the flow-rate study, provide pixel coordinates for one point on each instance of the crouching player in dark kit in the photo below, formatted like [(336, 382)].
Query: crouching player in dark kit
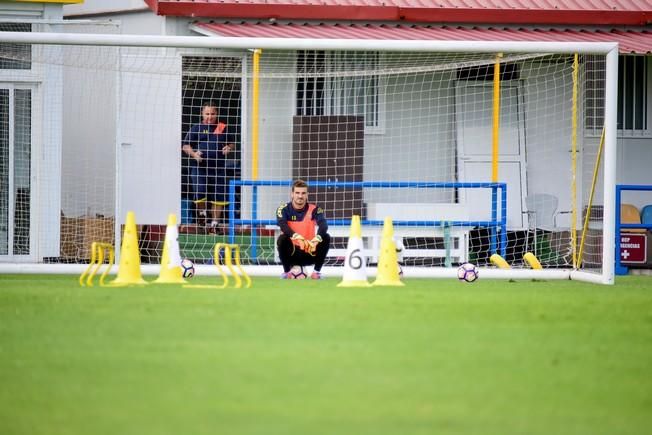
[(304, 239)]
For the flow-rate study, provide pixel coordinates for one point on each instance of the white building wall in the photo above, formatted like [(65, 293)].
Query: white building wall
[(388, 157), (276, 109), (143, 22), (132, 16), (45, 82), (548, 129), (47, 148), (11, 10), (103, 7), (635, 167), (418, 141), (548, 146), (89, 131)]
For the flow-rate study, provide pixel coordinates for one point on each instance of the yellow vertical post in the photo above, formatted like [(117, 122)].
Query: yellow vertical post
[(254, 115), (496, 121), (596, 170), (574, 164)]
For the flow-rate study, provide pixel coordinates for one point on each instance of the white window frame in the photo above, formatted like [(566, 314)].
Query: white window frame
[(345, 95), (595, 130), (11, 165), (629, 78), (344, 92)]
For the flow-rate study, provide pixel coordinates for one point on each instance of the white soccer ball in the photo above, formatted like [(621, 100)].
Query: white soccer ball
[(187, 268), (467, 272), (297, 272)]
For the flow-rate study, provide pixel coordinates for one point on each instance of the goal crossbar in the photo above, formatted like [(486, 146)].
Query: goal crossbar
[(308, 43)]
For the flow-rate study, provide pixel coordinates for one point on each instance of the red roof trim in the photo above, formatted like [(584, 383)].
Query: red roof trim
[(630, 41), (153, 5), (407, 14)]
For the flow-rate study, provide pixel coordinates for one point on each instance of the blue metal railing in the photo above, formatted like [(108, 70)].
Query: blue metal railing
[(620, 269), (493, 224)]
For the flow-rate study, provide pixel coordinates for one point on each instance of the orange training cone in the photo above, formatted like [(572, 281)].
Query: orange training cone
[(388, 272), (171, 272), (355, 266), (129, 270)]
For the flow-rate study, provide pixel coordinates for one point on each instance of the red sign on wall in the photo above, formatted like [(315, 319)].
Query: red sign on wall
[(633, 248)]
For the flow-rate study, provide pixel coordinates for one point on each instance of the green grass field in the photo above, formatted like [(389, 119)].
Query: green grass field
[(437, 356)]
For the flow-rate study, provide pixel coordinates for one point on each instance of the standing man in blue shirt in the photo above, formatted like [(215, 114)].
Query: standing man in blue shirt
[(208, 145)]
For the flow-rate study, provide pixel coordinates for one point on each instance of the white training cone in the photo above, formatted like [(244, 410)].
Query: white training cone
[(171, 272), (355, 263)]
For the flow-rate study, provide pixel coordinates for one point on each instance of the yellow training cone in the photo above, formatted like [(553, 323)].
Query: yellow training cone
[(355, 265), (388, 271), (388, 228), (129, 269), (171, 272)]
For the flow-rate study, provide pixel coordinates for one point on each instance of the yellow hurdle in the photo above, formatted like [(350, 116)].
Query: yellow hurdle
[(231, 256), (98, 251)]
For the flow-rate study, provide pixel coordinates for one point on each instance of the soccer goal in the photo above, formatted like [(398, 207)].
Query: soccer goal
[(474, 149)]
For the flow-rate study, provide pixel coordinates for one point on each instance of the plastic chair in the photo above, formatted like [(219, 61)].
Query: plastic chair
[(542, 216), (541, 210), (646, 218), (646, 215), (629, 215)]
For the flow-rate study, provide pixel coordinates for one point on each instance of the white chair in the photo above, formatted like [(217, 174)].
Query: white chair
[(542, 215), (541, 210)]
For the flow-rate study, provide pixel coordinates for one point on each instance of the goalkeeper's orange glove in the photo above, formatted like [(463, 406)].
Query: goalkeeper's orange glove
[(313, 244), (300, 241)]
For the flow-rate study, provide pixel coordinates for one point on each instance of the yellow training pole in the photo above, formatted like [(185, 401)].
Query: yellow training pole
[(98, 263), (254, 116), (238, 265), (574, 164), (496, 120), (217, 262), (585, 227), (109, 248), (86, 272)]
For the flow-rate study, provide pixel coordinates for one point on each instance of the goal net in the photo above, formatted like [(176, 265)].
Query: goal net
[(469, 153)]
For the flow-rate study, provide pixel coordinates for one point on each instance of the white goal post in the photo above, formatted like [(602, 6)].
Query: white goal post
[(104, 118)]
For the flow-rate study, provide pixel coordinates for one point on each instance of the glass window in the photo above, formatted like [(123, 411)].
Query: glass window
[(339, 83), (15, 56), (310, 83), (4, 171), (633, 73), (15, 170), (22, 172), (634, 88)]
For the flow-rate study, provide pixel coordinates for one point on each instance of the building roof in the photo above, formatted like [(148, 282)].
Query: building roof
[(630, 41), (567, 12)]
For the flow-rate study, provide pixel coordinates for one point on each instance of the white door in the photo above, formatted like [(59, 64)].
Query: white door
[(149, 156), (16, 168), (474, 117)]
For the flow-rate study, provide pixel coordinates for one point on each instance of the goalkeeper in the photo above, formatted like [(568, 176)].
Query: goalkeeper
[(304, 239)]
